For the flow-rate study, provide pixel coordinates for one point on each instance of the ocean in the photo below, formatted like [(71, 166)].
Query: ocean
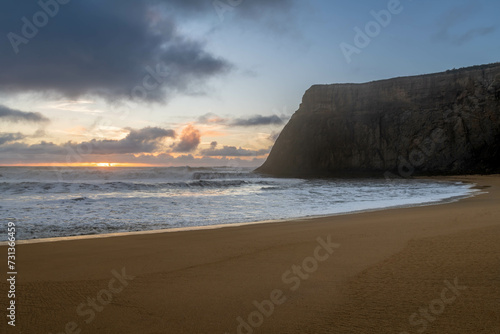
[(50, 202)]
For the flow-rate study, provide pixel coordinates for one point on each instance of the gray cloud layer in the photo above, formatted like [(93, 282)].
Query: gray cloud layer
[(256, 120), (12, 115), (10, 137), (146, 140), (232, 151), (132, 149)]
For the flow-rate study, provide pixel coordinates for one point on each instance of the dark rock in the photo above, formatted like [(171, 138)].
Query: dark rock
[(444, 123)]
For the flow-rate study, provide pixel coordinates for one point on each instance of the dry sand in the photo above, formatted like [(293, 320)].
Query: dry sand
[(392, 265)]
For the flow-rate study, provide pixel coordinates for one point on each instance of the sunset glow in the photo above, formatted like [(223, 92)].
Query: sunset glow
[(82, 164)]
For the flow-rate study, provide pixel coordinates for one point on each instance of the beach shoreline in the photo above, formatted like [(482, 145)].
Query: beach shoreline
[(270, 221), (388, 264)]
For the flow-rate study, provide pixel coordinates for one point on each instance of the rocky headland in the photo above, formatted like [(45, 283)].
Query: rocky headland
[(434, 124)]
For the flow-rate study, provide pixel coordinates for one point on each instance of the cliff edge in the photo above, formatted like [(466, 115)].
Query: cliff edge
[(443, 123)]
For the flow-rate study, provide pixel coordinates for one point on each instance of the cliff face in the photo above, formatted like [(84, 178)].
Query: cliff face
[(444, 123)]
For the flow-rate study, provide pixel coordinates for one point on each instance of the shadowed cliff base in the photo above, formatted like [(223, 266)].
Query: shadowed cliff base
[(433, 124)]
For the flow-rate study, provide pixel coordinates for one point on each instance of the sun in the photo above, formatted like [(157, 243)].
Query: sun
[(104, 164)]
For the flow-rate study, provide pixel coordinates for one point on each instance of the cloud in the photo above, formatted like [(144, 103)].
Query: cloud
[(42, 149), (220, 9), (39, 133), (273, 136), (232, 151), (166, 159), (114, 48), (256, 120), (146, 146), (190, 139), (18, 116), (149, 134), (211, 118), (456, 17), (138, 142), (10, 137), (146, 140), (472, 34)]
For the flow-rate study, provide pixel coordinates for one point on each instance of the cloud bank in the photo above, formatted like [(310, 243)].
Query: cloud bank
[(10, 137), (18, 116), (146, 140), (232, 151)]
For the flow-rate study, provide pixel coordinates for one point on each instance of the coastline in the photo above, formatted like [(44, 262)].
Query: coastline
[(270, 221), (203, 280)]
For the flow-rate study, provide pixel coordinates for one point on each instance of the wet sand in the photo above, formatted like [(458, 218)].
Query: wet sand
[(432, 269)]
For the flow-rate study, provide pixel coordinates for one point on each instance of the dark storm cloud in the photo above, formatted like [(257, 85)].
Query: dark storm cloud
[(232, 151), (190, 139), (147, 140), (12, 115), (111, 48)]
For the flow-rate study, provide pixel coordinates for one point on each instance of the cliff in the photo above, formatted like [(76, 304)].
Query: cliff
[(444, 123)]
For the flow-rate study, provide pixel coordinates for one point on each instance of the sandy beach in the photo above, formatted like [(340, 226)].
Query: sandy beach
[(431, 269)]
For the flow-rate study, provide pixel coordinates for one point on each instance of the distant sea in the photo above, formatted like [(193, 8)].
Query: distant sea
[(56, 202)]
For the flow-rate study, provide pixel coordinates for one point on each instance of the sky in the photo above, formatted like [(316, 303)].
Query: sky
[(204, 82)]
